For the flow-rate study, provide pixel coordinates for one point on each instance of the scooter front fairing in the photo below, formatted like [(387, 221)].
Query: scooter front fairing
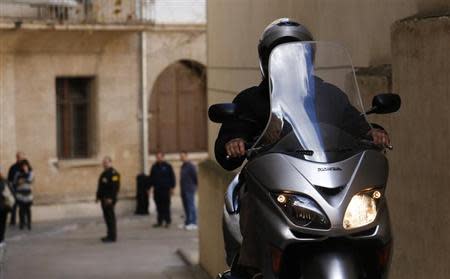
[(317, 188)]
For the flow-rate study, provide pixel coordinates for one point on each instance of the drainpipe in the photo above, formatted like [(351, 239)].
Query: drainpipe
[(144, 108)]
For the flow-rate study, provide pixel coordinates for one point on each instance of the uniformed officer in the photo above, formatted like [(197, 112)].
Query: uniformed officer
[(108, 187)]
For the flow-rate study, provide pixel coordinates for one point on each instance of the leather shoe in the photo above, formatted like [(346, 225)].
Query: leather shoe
[(107, 240)]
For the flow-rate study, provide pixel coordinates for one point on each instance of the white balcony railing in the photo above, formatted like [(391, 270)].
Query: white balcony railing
[(176, 11), (75, 11), (105, 11)]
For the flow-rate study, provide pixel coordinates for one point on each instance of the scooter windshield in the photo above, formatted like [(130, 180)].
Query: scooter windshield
[(316, 109)]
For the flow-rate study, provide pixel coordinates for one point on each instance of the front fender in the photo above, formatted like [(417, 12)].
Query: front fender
[(330, 265)]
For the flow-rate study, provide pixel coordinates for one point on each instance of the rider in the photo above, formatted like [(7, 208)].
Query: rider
[(254, 103)]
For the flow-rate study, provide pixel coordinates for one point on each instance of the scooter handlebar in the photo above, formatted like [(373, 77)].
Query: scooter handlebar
[(252, 151), (371, 143), (249, 151)]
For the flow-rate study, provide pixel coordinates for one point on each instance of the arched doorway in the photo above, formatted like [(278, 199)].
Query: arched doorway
[(178, 109)]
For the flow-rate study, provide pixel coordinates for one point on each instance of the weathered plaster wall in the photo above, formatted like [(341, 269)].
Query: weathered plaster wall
[(167, 47), (419, 177), (7, 109), (213, 182), (36, 58)]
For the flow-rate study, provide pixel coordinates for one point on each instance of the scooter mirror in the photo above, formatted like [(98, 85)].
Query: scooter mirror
[(220, 113), (385, 103)]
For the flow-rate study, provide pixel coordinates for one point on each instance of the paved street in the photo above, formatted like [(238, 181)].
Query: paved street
[(72, 249)]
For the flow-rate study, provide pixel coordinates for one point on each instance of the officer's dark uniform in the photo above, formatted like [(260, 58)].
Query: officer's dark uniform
[(163, 180), (108, 188)]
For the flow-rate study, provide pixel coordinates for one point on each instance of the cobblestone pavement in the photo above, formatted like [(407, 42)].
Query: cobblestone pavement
[(72, 249)]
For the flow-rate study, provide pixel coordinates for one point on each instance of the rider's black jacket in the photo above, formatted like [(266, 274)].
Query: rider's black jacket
[(254, 103)]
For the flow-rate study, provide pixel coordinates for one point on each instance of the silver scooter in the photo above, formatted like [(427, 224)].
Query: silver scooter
[(314, 185)]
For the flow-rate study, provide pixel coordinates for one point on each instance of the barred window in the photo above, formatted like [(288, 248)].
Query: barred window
[(74, 117)]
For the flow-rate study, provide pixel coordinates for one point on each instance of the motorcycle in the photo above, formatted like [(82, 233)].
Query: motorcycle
[(316, 183)]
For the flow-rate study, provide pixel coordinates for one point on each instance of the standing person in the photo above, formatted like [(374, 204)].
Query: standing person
[(24, 195), (6, 202), (163, 180), (108, 188), (13, 170), (188, 183)]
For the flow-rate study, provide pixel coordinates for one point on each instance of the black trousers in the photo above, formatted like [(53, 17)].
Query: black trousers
[(25, 214), (110, 219), (3, 216), (13, 214), (162, 202), (142, 202)]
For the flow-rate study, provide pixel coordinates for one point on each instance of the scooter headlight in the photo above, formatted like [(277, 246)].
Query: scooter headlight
[(302, 211), (362, 209)]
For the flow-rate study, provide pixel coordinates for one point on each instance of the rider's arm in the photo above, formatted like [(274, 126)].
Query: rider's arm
[(380, 137), (227, 162), (358, 126), (235, 130), (355, 123)]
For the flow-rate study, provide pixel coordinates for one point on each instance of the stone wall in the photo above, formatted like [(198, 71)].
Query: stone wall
[(212, 185), (419, 177), (35, 59), (170, 46)]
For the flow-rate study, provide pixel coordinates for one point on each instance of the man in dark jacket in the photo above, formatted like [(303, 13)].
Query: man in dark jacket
[(108, 188), (332, 106), (12, 174), (162, 178), (188, 184), (254, 102)]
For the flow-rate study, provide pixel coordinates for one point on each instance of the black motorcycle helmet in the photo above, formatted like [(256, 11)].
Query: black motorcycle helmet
[(280, 31)]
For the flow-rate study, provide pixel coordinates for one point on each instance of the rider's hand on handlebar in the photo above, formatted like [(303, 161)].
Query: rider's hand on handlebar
[(235, 148), (380, 137)]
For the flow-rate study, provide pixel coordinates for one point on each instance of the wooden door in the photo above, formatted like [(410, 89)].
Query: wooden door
[(178, 109)]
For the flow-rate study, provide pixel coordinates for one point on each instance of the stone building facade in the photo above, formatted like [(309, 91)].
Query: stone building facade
[(70, 86)]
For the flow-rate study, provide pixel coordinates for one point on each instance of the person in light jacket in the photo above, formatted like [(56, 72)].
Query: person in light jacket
[(188, 183), (13, 170), (24, 195)]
